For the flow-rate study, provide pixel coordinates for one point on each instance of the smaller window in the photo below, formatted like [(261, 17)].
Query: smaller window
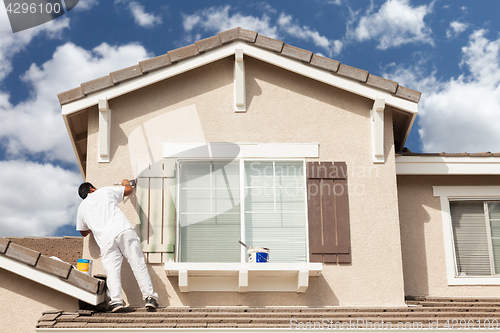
[(476, 233), (471, 230)]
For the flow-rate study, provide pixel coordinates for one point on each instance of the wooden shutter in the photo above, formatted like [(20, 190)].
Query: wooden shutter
[(156, 210), (328, 212)]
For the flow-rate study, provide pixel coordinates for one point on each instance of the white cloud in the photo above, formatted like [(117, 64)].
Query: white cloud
[(396, 23), (456, 28), (305, 33), (86, 4), (13, 43), (217, 19), (461, 114), (143, 19), (36, 198), (35, 125)]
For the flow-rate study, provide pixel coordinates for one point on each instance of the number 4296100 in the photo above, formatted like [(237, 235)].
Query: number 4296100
[(471, 323), (33, 8)]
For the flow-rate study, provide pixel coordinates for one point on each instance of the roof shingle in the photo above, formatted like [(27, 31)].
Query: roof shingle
[(419, 310), (229, 36), (65, 271)]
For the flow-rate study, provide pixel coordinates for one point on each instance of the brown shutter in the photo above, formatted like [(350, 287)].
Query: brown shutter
[(328, 212)]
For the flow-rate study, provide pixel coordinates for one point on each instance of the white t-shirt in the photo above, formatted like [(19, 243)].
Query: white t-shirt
[(100, 212)]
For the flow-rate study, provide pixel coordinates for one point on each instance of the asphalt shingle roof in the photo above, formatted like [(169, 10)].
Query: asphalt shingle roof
[(237, 34), (424, 310), (43, 262)]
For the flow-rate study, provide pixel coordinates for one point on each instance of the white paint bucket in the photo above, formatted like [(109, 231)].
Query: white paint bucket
[(258, 254), (85, 266)]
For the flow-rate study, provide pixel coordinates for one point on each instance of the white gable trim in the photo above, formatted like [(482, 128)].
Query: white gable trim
[(438, 165), (49, 280), (240, 103), (377, 126), (250, 50), (104, 131)]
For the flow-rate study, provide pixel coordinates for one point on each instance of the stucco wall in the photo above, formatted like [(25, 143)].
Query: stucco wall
[(25, 301), (422, 236), (282, 107)]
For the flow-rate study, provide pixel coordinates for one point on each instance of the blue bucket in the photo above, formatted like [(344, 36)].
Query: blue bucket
[(258, 254)]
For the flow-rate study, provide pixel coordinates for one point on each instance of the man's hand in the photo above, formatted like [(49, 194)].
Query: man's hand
[(128, 188)]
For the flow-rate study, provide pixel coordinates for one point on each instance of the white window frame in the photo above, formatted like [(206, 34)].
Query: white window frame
[(454, 193), (241, 162)]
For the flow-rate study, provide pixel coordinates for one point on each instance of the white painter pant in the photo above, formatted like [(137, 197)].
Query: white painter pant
[(127, 245)]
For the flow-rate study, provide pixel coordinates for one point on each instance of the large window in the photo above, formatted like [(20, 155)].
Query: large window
[(262, 203), (476, 235)]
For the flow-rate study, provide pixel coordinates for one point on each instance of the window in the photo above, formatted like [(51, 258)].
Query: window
[(471, 230), (476, 234), (262, 203)]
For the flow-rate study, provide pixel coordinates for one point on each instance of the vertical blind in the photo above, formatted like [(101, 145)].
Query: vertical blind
[(210, 210), (275, 211), (476, 233)]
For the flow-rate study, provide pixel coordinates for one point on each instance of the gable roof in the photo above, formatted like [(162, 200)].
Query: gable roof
[(53, 273), (75, 102), (237, 34)]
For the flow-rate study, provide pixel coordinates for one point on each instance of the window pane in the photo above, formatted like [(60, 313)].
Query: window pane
[(283, 234), (289, 174), (494, 210), (290, 199), (259, 174), (209, 212), (470, 237), (496, 254), (275, 209), (259, 200)]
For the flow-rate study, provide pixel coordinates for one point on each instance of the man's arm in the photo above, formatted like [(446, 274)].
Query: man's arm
[(85, 233), (128, 188)]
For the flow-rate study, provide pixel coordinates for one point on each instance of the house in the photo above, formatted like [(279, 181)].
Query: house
[(241, 137)]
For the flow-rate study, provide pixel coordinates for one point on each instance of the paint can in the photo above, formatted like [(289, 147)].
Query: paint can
[(258, 254), (84, 265)]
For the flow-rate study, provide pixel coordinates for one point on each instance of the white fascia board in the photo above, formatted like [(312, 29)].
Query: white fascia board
[(437, 165), (49, 280), (321, 75), (253, 51)]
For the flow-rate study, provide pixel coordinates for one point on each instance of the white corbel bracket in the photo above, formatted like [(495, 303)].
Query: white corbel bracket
[(377, 127), (104, 131), (240, 104)]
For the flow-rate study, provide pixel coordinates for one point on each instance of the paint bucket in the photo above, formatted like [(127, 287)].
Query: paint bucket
[(84, 265), (258, 254)]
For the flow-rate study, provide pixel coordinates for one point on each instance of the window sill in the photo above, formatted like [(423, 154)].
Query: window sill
[(243, 277), (474, 281)]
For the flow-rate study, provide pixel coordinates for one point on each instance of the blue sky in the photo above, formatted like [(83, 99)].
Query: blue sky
[(447, 49)]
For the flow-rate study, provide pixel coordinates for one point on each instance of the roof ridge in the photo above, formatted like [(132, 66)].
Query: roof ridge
[(229, 36)]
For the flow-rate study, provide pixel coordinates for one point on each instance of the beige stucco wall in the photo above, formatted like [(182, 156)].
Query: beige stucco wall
[(24, 302), (422, 236), (282, 107)]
